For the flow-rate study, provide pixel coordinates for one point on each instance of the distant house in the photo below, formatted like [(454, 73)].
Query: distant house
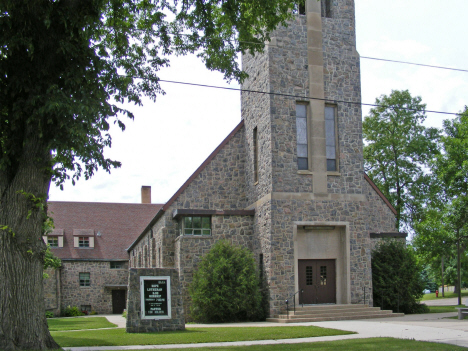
[(90, 239)]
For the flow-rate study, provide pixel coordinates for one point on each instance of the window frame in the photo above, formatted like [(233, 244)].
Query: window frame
[(83, 242), (255, 154), (117, 265), (84, 283), (53, 242), (184, 229), (335, 140), (304, 146), (325, 8)]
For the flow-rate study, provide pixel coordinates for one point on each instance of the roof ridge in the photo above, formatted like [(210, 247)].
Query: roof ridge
[(203, 165), (380, 193)]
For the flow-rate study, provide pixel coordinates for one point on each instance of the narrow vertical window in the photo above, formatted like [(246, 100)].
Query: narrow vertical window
[(330, 136), (260, 267), (255, 150), (326, 8), (301, 129)]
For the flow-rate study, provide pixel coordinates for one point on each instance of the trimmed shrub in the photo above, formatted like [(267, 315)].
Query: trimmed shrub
[(72, 312), (49, 314), (226, 287), (396, 278)]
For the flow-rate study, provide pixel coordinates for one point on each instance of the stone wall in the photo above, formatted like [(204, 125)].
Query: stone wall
[(137, 325), (96, 295), (52, 291)]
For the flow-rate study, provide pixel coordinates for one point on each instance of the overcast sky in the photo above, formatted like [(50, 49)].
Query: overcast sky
[(169, 139)]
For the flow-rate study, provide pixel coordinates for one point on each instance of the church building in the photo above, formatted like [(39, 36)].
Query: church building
[(288, 182)]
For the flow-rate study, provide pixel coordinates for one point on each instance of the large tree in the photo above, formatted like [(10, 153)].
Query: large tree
[(66, 67), (397, 152), (443, 229)]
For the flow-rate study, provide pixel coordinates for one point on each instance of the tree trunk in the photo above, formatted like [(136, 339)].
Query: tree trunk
[(23, 325)]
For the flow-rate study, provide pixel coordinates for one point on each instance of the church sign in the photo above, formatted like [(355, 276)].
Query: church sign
[(155, 297)]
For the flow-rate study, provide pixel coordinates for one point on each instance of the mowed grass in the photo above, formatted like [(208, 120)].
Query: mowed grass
[(444, 309), (384, 344), (63, 324), (118, 337), (432, 296)]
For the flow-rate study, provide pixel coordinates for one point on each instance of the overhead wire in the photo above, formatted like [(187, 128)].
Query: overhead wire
[(326, 100), (293, 96)]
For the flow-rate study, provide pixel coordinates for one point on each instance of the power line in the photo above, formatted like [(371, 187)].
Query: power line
[(293, 96), (415, 64)]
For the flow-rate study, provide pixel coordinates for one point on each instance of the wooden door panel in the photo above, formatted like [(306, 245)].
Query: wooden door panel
[(317, 279)]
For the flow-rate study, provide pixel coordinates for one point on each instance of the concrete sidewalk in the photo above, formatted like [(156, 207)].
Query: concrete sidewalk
[(433, 327)]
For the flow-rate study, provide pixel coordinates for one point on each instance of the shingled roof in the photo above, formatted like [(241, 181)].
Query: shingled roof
[(118, 225)]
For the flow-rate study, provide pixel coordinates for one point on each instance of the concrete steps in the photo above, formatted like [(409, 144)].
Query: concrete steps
[(320, 313)]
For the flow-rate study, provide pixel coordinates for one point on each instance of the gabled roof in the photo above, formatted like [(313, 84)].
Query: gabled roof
[(377, 190), (118, 224), (187, 183)]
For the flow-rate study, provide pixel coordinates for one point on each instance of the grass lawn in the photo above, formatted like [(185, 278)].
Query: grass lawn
[(62, 324), (443, 309), (384, 344), (118, 337), (432, 296)]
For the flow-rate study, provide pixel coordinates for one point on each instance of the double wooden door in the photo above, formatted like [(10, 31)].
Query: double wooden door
[(317, 279)]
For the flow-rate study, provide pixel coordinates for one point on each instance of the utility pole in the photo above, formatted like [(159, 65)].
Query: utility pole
[(459, 266), (443, 287)]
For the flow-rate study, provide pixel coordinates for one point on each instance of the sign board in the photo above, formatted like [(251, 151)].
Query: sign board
[(155, 297)]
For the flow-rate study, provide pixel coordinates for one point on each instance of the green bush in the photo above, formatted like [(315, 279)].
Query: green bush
[(49, 314), (226, 286), (72, 312), (396, 278)]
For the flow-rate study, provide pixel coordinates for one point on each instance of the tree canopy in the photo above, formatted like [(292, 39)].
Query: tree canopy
[(66, 68), (443, 228), (66, 65), (398, 150)]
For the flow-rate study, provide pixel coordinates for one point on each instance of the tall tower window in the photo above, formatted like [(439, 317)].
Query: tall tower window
[(330, 136), (255, 156), (326, 8), (301, 132)]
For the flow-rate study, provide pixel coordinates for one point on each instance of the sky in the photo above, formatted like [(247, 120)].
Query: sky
[(170, 138)]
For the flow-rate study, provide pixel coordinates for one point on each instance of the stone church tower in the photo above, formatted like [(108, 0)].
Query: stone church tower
[(288, 182), (314, 208)]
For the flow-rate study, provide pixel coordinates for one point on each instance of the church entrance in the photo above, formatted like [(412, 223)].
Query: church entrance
[(318, 280), (118, 301)]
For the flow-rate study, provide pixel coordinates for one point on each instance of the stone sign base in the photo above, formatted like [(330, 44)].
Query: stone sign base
[(135, 322)]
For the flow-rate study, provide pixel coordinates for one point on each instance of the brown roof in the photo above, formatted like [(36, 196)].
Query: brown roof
[(118, 224)]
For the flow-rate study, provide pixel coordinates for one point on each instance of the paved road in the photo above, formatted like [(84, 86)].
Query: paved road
[(433, 327)]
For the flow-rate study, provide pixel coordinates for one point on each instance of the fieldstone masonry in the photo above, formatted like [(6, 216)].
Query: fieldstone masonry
[(137, 325)]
